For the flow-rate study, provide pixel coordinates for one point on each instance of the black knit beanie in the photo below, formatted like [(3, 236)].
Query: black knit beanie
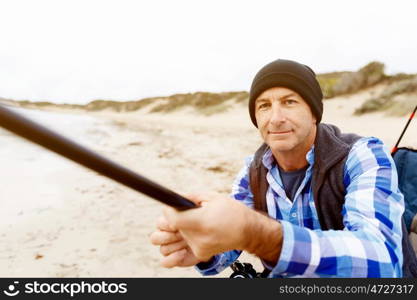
[(290, 74)]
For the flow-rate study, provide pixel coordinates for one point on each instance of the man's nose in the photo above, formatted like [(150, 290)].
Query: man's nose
[(277, 114)]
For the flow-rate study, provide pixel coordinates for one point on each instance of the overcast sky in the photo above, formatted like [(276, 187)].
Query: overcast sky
[(78, 51)]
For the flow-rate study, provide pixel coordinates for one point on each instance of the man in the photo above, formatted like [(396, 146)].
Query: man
[(333, 203)]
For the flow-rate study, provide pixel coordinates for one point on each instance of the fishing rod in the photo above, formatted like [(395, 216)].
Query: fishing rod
[(63, 146), (402, 133)]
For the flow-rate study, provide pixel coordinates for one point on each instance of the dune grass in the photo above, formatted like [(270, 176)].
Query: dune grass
[(398, 99)]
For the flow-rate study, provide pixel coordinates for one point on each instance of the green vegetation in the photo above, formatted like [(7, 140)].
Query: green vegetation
[(339, 83), (333, 84), (398, 98), (327, 82), (201, 101), (117, 106)]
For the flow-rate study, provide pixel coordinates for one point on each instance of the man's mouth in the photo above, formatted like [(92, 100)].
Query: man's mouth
[(279, 132)]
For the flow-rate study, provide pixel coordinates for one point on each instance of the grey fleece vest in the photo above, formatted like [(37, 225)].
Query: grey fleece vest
[(331, 149)]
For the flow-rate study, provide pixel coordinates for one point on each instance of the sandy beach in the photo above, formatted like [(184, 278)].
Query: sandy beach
[(60, 220)]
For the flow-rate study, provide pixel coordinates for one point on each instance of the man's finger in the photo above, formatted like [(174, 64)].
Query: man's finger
[(170, 248), (202, 199), (162, 224), (182, 220), (164, 237), (195, 198), (175, 259)]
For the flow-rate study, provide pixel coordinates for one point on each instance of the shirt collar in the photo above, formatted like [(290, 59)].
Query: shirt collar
[(268, 159)]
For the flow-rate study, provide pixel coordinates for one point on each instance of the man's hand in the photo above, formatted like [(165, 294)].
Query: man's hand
[(172, 246), (220, 224)]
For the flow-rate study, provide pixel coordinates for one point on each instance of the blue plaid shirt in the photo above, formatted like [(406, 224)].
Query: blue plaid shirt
[(370, 243)]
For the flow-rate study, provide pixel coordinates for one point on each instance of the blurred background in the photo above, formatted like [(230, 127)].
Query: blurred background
[(162, 87)]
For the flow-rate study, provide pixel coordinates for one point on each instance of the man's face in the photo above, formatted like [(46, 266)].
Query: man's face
[(284, 119)]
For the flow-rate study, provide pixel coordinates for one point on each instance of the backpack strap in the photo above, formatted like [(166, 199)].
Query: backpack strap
[(259, 185), (413, 227), (257, 180)]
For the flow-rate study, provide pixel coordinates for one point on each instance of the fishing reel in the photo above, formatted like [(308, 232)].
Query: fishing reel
[(245, 270)]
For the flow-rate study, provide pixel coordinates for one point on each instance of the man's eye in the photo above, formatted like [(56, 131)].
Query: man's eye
[(263, 105), (290, 101)]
